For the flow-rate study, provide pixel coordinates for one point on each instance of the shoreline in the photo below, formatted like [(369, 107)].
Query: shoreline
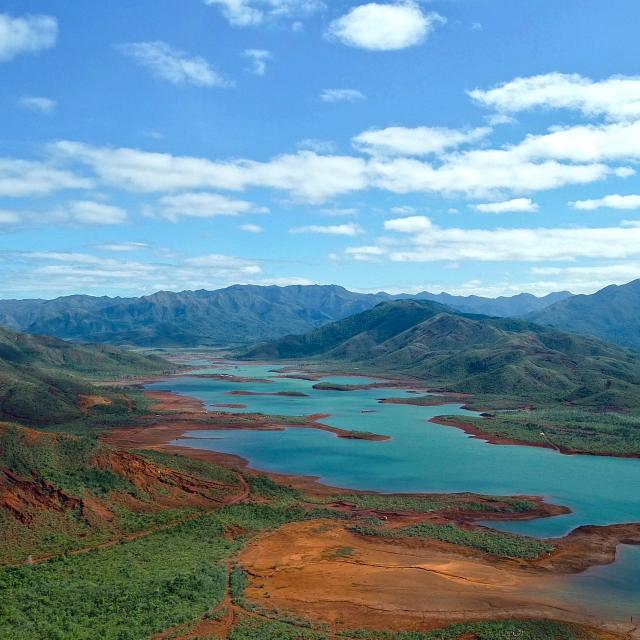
[(159, 435), (584, 547), (478, 434), (187, 416)]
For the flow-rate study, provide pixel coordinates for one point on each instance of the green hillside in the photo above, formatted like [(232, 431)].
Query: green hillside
[(42, 379), (613, 313), (474, 354)]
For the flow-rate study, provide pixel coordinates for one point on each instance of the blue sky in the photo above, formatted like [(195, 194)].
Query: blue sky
[(472, 146)]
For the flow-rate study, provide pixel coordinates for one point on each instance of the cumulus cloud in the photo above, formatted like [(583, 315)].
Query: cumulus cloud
[(38, 104), (306, 175), (617, 97), (21, 178), (618, 141), (608, 202), (342, 95), (202, 205), (86, 212), (258, 59), (26, 34), (430, 242), (247, 13), (349, 229), (384, 27), (481, 174), (508, 206), (417, 141), (172, 65)]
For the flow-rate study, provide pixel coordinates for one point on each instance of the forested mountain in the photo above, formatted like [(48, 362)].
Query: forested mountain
[(613, 313), (472, 353), (237, 314), (43, 379), (503, 306)]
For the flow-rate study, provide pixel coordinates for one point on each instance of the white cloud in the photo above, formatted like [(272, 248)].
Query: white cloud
[(38, 104), (367, 253), (9, 217), (20, 178), (572, 156), (418, 141), (123, 247), (609, 202), (617, 97), (349, 229), (481, 173), (342, 95), (203, 205), (173, 65), (430, 242), (618, 141), (59, 273), (384, 27), (27, 34), (94, 213), (410, 224), (516, 205), (258, 59), (306, 175), (496, 119), (247, 13), (225, 263), (584, 279), (251, 228)]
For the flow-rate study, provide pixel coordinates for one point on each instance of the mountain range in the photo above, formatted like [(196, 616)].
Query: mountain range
[(472, 353), (613, 314), (237, 314)]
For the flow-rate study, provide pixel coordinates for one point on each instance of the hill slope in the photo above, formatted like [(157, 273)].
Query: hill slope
[(613, 313), (237, 314), (42, 378), (472, 353)]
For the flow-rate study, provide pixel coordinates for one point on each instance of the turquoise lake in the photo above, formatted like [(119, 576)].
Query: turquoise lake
[(423, 457)]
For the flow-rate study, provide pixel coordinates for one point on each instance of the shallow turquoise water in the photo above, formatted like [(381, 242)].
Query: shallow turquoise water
[(421, 456), (611, 590), (425, 457)]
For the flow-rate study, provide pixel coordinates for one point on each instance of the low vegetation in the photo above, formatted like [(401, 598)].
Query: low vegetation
[(44, 380), (566, 428), (126, 592), (257, 628), (496, 543), (499, 630), (429, 504)]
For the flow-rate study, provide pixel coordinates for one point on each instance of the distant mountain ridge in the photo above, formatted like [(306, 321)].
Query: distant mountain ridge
[(234, 315), (472, 353), (613, 314)]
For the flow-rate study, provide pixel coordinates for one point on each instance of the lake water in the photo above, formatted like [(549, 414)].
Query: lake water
[(423, 457)]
